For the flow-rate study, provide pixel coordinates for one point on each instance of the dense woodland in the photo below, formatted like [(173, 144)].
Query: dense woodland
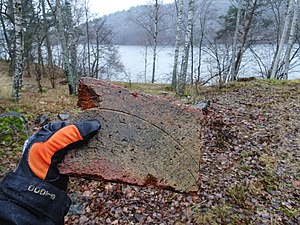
[(46, 35)]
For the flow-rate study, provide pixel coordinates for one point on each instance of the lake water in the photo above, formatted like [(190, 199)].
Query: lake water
[(133, 58)]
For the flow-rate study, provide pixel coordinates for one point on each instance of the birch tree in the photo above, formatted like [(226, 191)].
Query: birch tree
[(87, 24), (278, 9), (64, 46), (155, 36), (244, 26), (47, 26), (204, 13), (151, 25), (287, 22), (30, 26), (177, 41), (6, 19), (38, 38), (18, 68), (72, 38), (244, 39), (291, 40), (192, 55), (232, 69), (185, 57)]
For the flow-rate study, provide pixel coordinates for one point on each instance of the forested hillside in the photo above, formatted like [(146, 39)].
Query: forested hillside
[(128, 31)]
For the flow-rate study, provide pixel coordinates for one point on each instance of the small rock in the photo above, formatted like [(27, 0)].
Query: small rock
[(138, 217), (75, 209), (164, 93), (203, 105), (264, 214), (209, 204), (125, 209), (83, 219), (63, 117), (219, 195), (149, 220)]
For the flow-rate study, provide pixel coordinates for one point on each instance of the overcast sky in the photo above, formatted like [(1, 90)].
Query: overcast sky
[(104, 7)]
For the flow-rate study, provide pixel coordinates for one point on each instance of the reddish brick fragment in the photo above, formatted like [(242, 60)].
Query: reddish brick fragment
[(144, 140)]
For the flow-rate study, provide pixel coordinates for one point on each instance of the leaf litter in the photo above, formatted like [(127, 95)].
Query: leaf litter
[(250, 170)]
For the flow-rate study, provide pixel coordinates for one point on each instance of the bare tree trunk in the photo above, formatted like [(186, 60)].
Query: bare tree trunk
[(146, 62), (48, 47), (95, 66), (18, 68), (88, 39), (200, 58), (203, 23), (64, 46), (184, 63), (291, 41), (7, 40), (282, 40), (152, 29), (192, 56), (177, 42), (246, 30), (154, 61), (38, 67), (232, 71), (155, 40), (73, 47), (276, 9), (10, 43)]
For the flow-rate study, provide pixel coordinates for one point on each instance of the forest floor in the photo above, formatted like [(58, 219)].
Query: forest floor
[(250, 167)]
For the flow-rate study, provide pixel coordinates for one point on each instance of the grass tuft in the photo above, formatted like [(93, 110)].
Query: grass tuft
[(6, 86)]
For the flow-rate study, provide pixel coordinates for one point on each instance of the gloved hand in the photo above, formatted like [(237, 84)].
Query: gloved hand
[(45, 149)]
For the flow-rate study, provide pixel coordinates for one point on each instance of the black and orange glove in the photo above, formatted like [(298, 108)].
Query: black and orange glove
[(43, 151)]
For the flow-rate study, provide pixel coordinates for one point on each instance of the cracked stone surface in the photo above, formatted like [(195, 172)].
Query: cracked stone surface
[(144, 140)]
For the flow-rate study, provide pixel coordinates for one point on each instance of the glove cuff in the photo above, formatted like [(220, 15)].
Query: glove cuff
[(37, 195)]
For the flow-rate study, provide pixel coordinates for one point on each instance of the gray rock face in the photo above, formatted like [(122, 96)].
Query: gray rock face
[(144, 140)]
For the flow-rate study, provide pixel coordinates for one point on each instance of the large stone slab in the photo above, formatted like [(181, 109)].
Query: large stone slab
[(144, 140)]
